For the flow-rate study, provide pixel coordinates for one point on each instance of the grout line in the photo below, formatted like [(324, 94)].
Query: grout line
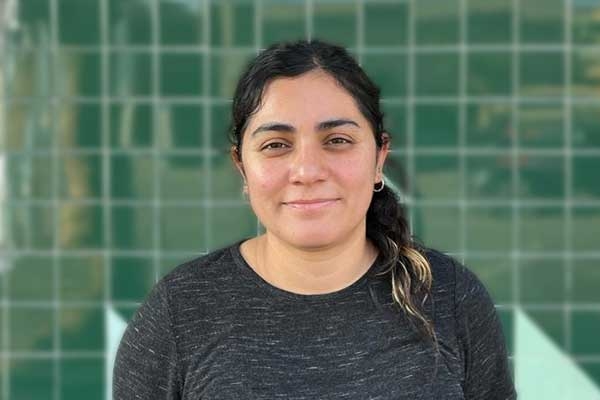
[(462, 118), (207, 128), (309, 14), (156, 134), (410, 114)]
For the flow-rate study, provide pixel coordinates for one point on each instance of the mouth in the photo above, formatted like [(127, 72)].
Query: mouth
[(312, 204)]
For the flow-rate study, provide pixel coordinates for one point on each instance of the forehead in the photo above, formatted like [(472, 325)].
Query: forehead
[(307, 98)]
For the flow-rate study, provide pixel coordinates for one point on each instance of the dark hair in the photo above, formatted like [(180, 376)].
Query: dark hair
[(387, 226)]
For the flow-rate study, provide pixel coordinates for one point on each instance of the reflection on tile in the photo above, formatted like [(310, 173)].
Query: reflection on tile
[(80, 227), (283, 21), (81, 278), (489, 229), (82, 376), (80, 176), (435, 22), (31, 328), (541, 126), (133, 227), (30, 176), (336, 22), (542, 74), (232, 23), (585, 22), (30, 126), (542, 281), (489, 177), (387, 71), (79, 22), (226, 69), (489, 125), (436, 125), (489, 73), (586, 221), (223, 218), (32, 227), (437, 74), (585, 326), (539, 26), (489, 21), (542, 229), (131, 125), (541, 176), (79, 74), (132, 176), (183, 177), (586, 275), (182, 228), (181, 74), (181, 23), (386, 23), (585, 78), (81, 328), (438, 226), (438, 177), (31, 279), (31, 379), (131, 73), (586, 126), (585, 177), (131, 278), (130, 22), (496, 274), (79, 125)]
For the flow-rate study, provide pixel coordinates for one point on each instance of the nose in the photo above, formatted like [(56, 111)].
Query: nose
[(308, 164)]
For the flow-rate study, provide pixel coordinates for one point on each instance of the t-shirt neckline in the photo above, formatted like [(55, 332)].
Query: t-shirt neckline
[(280, 293)]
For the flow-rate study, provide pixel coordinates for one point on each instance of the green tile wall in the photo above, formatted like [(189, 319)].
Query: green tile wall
[(114, 165)]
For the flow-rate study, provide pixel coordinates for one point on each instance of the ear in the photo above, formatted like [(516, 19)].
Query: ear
[(236, 157), (382, 155)]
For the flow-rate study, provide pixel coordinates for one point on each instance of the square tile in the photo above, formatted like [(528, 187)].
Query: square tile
[(584, 78), (82, 328), (585, 326), (132, 176), (586, 126), (489, 177), (132, 125), (131, 73), (552, 323), (183, 228), (489, 125), (542, 74), (30, 126), (438, 177), (489, 229), (30, 176), (181, 74), (541, 126), (388, 71), (489, 21), (542, 229), (585, 276), (336, 22), (542, 25), (283, 21), (31, 379), (183, 177), (541, 177), (386, 23), (437, 74), (436, 23), (82, 278), (78, 125), (586, 221), (181, 23), (585, 24), (132, 278), (226, 69), (80, 176), (133, 227), (394, 123), (226, 182), (87, 65), (222, 218), (436, 125), (232, 23), (182, 126), (490, 73), (82, 376), (542, 281), (31, 278), (32, 227), (81, 227), (139, 23), (438, 226), (31, 328), (79, 22)]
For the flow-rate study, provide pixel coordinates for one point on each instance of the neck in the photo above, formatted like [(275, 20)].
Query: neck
[(315, 270)]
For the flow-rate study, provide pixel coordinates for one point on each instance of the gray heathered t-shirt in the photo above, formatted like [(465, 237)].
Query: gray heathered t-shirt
[(214, 329)]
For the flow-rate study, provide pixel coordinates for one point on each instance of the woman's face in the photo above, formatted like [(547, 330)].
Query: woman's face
[(310, 162)]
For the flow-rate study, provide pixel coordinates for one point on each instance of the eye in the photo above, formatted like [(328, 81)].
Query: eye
[(274, 146), (339, 140)]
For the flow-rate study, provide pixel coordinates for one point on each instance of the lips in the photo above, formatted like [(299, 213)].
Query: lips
[(310, 204)]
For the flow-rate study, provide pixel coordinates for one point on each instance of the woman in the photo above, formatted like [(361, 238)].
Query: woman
[(334, 300)]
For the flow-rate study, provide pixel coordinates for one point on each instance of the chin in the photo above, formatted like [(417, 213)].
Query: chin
[(313, 239)]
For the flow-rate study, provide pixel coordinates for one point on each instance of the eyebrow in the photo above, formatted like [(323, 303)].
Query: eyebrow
[(321, 126)]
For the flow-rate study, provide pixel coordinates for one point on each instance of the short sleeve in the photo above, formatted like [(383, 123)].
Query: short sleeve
[(146, 363), (482, 341)]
